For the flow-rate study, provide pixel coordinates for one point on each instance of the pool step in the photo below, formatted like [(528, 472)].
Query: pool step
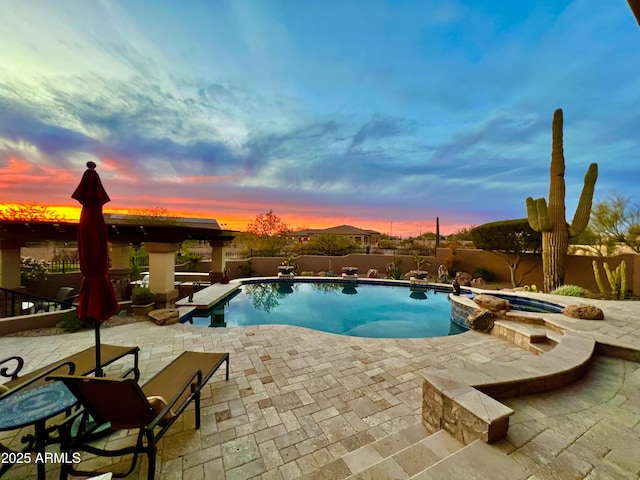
[(530, 336)]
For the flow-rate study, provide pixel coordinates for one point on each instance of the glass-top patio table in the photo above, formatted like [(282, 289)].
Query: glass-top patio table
[(32, 407)]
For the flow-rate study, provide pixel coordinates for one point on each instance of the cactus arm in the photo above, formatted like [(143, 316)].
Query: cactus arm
[(596, 274), (544, 219), (532, 214), (581, 217), (538, 215), (623, 279), (612, 277)]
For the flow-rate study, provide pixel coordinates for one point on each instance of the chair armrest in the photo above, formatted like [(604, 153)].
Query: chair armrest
[(189, 383), (44, 374), (4, 372), (69, 302), (133, 370)]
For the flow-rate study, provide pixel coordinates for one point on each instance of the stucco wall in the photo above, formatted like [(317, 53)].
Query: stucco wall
[(578, 268)]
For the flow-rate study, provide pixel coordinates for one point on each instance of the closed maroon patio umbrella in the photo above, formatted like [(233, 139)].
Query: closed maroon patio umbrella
[(97, 300)]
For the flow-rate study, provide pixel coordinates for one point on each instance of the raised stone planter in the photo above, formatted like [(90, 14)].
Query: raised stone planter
[(418, 274), (350, 270), (285, 270), (164, 316), (142, 310)]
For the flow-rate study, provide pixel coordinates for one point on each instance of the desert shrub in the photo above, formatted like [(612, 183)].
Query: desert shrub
[(394, 269), (571, 291), (70, 322), (387, 244), (451, 262), (246, 268), (141, 291), (484, 273), (188, 260)]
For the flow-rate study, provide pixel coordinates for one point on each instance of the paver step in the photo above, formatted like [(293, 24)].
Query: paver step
[(530, 336), (407, 461), (543, 347), (368, 455), (478, 461)]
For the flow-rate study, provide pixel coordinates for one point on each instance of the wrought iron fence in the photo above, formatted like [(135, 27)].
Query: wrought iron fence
[(239, 254), (14, 303), (68, 266), (64, 266)]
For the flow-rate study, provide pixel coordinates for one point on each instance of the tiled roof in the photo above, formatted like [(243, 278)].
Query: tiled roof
[(339, 230)]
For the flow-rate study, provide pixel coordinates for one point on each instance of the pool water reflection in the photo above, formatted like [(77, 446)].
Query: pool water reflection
[(345, 308)]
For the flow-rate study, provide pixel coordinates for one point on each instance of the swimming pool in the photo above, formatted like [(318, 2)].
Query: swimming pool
[(345, 308)]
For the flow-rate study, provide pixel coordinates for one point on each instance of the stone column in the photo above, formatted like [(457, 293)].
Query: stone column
[(10, 263), (635, 282), (120, 270), (10, 272), (162, 272), (218, 259)]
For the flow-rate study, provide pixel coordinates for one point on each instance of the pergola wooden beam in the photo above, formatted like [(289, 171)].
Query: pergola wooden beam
[(635, 8)]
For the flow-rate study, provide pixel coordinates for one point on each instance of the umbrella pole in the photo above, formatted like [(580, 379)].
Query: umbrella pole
[(96, 327)]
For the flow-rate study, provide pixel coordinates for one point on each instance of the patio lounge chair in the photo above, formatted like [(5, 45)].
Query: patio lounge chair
[(151, 408), (81, 363), (63, 300)]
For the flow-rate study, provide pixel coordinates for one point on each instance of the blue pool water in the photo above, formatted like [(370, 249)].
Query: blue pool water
[(344, 308)]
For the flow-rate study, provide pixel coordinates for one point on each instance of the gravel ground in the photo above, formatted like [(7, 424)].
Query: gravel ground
[(57, 330)]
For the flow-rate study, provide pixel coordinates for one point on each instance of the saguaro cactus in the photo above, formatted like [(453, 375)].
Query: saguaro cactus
[(550, 220)]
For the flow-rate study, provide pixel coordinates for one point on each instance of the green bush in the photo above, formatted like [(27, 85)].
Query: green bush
[(394, 269), (141, 291), (484, 273), (246, 268), (70, 322), (32, 269), (571, 291)]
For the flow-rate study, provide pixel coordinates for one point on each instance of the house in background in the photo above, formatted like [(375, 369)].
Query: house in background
[(357, 235)]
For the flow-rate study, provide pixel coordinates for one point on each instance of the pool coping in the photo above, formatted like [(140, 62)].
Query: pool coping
[(464, 401)]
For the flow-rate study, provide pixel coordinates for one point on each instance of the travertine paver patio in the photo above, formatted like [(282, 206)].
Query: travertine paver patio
[(299, 399)]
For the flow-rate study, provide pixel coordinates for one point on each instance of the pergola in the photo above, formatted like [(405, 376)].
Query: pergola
[(160, 235), (635, 8)]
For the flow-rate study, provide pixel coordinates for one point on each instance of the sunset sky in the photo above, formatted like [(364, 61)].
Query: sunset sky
[(379, 114)]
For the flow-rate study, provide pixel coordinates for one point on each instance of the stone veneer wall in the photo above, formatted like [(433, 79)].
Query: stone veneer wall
[(460, 311)]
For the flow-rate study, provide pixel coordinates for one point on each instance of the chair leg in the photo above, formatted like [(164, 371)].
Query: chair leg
[(151, 456), (196, 399)]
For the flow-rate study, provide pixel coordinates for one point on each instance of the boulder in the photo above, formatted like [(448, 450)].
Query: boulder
[(372, 273), (164, 316), (464, 278), (478, 282), (481, 320), (491, 303), (583, 312)]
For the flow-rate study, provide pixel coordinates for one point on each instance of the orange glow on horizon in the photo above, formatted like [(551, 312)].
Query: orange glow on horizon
[(239, 222)]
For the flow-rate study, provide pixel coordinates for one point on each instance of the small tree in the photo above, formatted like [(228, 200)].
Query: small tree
[(330, 244), (268, 224), (264, 234), (615, 220), (509, 239)]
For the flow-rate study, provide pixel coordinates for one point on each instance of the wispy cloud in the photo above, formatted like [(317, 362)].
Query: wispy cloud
[(401, 112)]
